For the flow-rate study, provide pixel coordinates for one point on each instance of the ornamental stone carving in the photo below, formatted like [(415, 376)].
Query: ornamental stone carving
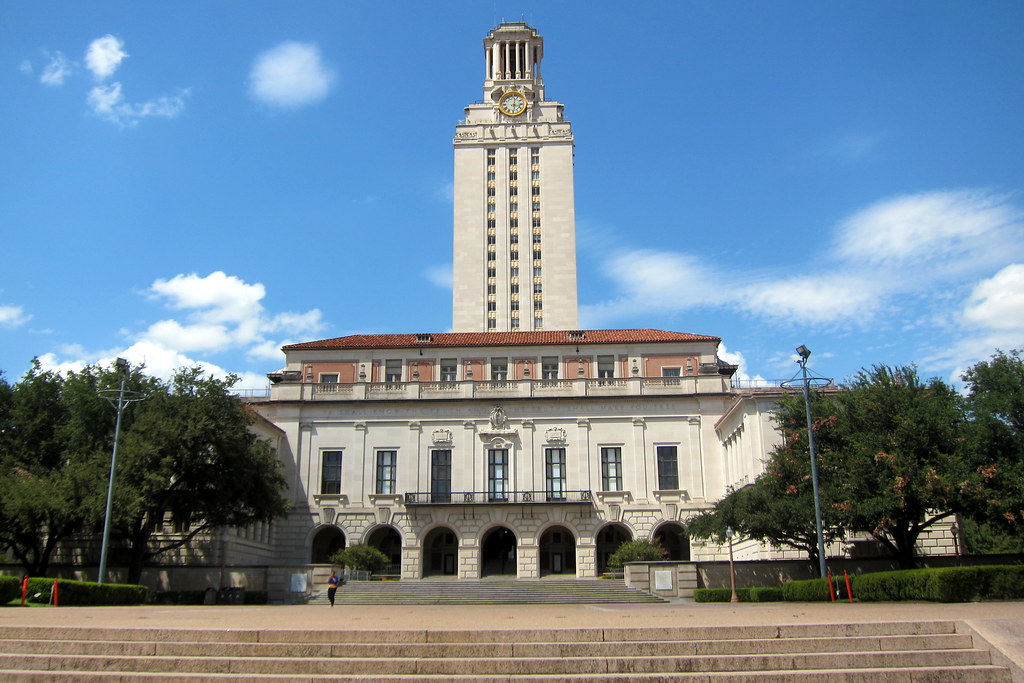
[(555, 435), (441, 437)]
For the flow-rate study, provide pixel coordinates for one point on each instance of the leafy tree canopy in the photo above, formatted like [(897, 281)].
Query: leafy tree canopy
[(360, 558)]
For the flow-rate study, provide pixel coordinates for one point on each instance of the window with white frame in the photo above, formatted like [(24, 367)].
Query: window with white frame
[(499, 369), (328, 378), (611, 468), (606, 366), (497, 474), (549, 367), (386, 468), (668, 468), (440, 475), (393, 371), (449, 369), (330, 472), (554, 473)]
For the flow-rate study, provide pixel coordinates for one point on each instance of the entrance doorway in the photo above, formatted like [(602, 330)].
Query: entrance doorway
[(608, 541), (557, 551), (387, 540), (674, 539), (498, 556), (326, 542), (440, 552)]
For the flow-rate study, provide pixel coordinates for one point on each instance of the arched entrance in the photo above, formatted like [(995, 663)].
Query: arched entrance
[(674, 539), (608, 541), (498, 555), (557, 551), (387, 540), (327, 541), (440, 552)]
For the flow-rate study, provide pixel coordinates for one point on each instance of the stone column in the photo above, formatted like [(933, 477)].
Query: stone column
[(586, 560)]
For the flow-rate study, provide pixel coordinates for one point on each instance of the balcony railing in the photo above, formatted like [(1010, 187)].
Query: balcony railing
[(487, 389), (499, 498)]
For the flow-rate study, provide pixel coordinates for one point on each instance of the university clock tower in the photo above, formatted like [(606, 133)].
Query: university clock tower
[(514, 223)]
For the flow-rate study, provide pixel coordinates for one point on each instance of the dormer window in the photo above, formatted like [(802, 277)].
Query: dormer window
[(577, 335)]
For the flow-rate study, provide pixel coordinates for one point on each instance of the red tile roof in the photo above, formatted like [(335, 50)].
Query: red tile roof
[(450, 339)]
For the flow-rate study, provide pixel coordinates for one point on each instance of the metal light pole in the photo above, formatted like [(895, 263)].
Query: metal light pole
[(119, 399), (805, 353), (732, 571)]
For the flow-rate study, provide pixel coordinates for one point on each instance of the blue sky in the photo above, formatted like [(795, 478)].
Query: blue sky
[(204, 182)]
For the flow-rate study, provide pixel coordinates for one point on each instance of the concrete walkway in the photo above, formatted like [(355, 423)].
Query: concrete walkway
[(999, 623)]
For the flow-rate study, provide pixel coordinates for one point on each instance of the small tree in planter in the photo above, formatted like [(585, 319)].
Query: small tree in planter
[(637, 551), (360, 558)]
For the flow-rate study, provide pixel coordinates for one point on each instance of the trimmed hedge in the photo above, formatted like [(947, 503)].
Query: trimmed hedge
[(70, 592), (815, 590), (10, 589), (947, 584), (757, 594)]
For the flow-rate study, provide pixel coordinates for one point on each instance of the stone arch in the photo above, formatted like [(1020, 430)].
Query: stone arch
[(325, 540), (557, 550), (498, 549), (440, 551), (608, 539), (388, 540), (673, 538)]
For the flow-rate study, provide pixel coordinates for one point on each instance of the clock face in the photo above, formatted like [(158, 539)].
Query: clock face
[(512, 103)]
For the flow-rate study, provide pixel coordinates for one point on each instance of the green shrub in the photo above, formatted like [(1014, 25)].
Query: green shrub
[(637, 551), (720, 594), (255, 597), (1006, 583), (809, 590), (71, 592), (955, 584), (10, 589), (361, 558), (766, 594)]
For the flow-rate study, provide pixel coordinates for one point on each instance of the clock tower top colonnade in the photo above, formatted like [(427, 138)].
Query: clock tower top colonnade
[(514, 218)]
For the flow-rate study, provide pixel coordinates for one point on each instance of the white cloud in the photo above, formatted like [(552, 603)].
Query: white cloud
[(57, 70), (107, 101), (891, 250), (13, 316), (25, 67), (821, 299), (998, 302), (440, 276), (104, 55), (290, 75), (223, 312), (950, 229)]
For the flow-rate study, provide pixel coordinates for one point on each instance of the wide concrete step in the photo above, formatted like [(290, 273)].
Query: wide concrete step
[(906, 651), (487, 591)]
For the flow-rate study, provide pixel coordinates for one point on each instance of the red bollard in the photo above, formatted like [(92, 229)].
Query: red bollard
[(849, 591), (24, 589), (831, 586), (55, 592)]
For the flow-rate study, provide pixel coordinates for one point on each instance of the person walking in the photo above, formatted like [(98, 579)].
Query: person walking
[(332, 586)]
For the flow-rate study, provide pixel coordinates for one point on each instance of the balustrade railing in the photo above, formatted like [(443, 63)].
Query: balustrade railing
[(497, 497)]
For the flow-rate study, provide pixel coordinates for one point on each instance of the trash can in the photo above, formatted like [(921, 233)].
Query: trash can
[(210, 598)]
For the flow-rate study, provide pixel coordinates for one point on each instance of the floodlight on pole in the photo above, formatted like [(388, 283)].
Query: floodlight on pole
[(804, 354), (119, 398)]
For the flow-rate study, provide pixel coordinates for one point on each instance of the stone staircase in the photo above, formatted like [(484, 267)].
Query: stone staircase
[(486, 592), (901, 651)]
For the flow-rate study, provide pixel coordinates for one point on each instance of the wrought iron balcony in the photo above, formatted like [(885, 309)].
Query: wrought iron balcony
[(499, 498)]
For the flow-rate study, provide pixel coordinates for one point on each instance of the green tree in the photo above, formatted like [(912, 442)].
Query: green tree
[(360, 558), (778, 507), (640, 550), (190, 458), (995, 404), (48, 470), (900, 466)]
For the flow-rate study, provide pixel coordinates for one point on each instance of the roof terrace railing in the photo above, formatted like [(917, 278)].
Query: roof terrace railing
[(499, 498)]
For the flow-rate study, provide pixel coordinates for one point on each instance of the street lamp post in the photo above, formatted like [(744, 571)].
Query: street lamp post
[(732, 571), (119, 398), (804, 354)]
